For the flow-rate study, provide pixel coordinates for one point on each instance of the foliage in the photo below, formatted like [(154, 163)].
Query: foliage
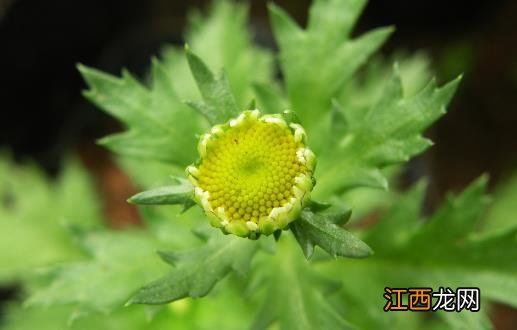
[(416, 251), (40, 213), (197, 271), (361, 119)]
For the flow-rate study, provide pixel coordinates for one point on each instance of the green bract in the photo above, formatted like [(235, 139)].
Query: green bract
[(255, 174)]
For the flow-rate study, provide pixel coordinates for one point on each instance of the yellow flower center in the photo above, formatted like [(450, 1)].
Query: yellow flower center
[(251, 170), (254, 175)]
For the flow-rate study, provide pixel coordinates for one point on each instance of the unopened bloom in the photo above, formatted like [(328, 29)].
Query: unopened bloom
[(254, 174)]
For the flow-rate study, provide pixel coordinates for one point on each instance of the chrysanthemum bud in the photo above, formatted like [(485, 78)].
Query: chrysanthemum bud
[(254, 174)]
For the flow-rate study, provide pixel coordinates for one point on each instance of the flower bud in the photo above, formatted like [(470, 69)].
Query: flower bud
[(254, 175)]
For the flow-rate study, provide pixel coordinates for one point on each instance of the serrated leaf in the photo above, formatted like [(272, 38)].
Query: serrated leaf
[(218, 102), (458, 214), (323, 230), (223, 39), (445, 250), (326, 43), (388, 133), (161, 127), (369, 138), (197, 271)]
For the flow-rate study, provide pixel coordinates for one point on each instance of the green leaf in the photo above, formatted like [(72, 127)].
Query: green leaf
[(161, 127), (179, 194), (366, 136), (198, 270), (296, 297), (183, 314), (119, 263), (319, 60), (219, 104), (270, 99), (324, 230), (362, 91), (35, 213), (467, 320), (459, 215), (501, 214), (404, 215), (388, 133), (59, 318), (223, 39), (447, 249)]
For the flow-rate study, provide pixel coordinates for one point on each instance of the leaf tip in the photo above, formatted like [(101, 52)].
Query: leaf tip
[(368, 251), (81, 67), (389, 29), (104, 141), (169, 257), (482, 181), (271, 6)]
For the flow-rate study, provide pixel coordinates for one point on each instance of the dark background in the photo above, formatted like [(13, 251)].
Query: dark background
[(44, 116)]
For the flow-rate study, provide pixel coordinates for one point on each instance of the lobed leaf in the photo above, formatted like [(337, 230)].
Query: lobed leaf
[(317, 61), (325, 231), (197, 271), (219, 104), (161, 127), (388, 133), (448, 249)]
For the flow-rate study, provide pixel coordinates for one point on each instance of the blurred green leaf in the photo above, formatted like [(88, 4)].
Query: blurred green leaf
[(445, 250), (269, 98), (502, 213), (183, 314), (61, 317), (35, 213), (295, 296), (120, 262)]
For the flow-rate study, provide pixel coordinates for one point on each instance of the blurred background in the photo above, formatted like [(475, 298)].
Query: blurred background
[(44, 116)]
